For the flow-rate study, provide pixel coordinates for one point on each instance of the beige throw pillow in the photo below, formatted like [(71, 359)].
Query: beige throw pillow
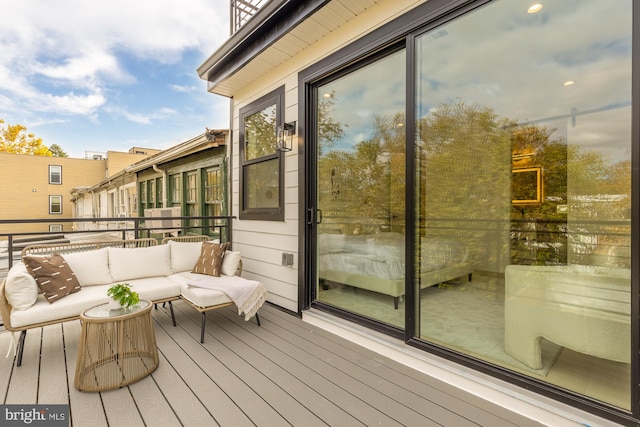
[(53, 276), (210, 261)]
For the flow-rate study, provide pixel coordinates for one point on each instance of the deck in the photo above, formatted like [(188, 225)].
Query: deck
[(286, 372)]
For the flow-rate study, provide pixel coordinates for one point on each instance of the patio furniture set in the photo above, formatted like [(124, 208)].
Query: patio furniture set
[(58, 283)]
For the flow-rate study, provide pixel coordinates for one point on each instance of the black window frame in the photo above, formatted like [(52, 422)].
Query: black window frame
[(276, 97)]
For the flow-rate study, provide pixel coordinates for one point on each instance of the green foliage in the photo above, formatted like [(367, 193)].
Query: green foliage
[(122, 293), (57, 151)]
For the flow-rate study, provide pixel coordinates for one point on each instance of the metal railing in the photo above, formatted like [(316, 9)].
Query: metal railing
[(242, 11), (89, 229)]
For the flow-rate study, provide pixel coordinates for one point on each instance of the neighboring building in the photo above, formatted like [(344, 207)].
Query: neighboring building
[(45, 186), (113, 197), (38, 187), (487, 144), (117, 161), (190, 176)]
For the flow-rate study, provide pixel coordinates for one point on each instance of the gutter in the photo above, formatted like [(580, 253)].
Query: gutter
[(164, 183), (272, 22)]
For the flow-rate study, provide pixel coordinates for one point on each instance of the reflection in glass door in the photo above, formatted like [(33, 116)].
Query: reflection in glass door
[(361, 190), (523, 198)]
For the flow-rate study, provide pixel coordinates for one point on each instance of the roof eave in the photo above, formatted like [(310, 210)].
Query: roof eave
[(268, 25)]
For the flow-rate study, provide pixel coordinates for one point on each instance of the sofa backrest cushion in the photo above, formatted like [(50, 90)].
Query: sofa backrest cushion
[(53, 275), (91, 267), (230, 263), (184, 255), (20, 288), (137, 263)]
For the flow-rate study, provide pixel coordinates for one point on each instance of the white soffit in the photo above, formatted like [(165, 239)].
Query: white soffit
[(331, 17)]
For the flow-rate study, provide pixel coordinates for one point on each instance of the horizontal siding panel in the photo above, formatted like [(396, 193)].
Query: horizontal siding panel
[(247, 239), (291, 305)]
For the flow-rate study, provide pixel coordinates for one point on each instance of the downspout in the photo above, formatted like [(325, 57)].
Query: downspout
[(164, 184)]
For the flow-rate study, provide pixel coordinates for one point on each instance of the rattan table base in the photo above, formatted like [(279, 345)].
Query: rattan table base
[(117, 347)]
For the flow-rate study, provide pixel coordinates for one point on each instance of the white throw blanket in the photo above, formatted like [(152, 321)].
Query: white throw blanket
[(247, 295)]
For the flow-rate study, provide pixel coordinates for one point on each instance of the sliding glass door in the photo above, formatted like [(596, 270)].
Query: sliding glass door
[(361, 190), (512, 246), (523, 196)]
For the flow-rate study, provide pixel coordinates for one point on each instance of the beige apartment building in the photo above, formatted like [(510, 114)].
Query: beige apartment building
[(39, 187)]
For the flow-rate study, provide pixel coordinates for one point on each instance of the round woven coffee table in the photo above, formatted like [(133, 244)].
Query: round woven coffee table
[(117, 347)]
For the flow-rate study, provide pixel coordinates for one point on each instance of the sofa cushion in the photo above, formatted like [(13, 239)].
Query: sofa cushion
[(91, 267), (210, 260), (230, 263), (136, 263), (53, 275), (155, 288), (20, 288), (201, 297), (184, 255), (67, 307)]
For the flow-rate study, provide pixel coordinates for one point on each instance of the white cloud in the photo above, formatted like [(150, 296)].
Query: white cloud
[(66, 54), (182, 88), (70, 103), (143, 119)]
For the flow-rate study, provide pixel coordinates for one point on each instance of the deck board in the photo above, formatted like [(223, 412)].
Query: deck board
[(285, 372), (53, 379), (85, 408)]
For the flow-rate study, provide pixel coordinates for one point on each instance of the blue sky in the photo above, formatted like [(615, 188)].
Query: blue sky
[(97, 76)]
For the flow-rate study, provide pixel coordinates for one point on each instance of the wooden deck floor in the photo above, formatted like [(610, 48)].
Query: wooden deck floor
[(286, 372)]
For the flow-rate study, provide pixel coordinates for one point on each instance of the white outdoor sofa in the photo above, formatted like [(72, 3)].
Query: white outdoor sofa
[(584, 308), (158, 273)]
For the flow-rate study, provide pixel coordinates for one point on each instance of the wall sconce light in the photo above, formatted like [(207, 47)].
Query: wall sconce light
[(284, 136)]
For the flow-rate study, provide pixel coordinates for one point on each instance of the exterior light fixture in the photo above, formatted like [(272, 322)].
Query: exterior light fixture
[(284, 136)]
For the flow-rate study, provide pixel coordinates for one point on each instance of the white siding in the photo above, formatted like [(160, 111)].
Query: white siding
[(263, 242)]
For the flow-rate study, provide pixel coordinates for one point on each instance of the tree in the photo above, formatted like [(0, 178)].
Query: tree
[(15, 139), (57, 151)]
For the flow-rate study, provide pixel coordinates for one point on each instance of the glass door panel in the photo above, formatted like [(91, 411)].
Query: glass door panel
[(361, 190), (523, 195)]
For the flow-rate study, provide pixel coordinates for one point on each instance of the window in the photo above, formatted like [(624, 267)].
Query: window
[(55, 204), (151, 193), (213, 192), (192, 196), (143, 196), (176, 188), (55, 174), (55, 228), (262, 167)]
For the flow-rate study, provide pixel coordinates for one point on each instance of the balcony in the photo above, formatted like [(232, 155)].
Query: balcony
[(285, 372), (242, 11), (317, 370)]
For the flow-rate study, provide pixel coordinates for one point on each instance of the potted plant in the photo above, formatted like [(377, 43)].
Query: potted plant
[(123, 295)]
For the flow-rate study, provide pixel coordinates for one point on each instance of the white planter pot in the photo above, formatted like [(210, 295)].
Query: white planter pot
[(113, 304)]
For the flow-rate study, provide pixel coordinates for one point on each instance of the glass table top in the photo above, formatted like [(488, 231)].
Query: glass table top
[(103, 311)]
